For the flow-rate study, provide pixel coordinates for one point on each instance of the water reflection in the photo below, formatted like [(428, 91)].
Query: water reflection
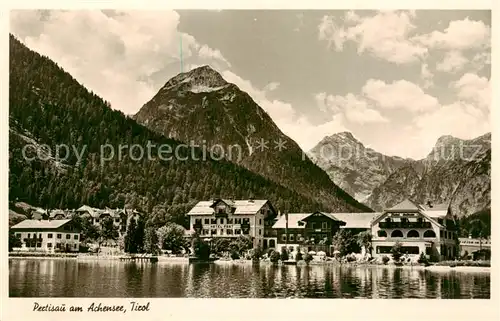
[(71, 278)]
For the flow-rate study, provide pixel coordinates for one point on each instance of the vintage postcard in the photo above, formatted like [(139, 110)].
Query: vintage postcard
[(158, 154)]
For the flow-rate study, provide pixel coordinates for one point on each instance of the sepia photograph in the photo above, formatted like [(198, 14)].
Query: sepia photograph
[(258, 154)]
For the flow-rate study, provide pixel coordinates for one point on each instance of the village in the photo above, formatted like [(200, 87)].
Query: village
[(228, 229)]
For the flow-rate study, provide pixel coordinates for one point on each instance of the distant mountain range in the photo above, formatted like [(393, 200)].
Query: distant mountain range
[(456, 172)]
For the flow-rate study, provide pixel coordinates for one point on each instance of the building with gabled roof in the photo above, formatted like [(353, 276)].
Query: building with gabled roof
[(48, 235), (418, 228), (232, 218)]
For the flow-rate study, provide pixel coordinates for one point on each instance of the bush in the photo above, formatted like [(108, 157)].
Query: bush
[(385, 259), (274, 257), (256, 254), (396, 252), (269, 252), (235, 255), (308, 258), (423, 259), (284, 254), (350, 258)]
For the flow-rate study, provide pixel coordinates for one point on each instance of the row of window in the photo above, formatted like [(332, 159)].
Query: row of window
[(410, 234), (324, 225), (49, 235), (228, 232), (39, 244), (223, 220), (291, 237), (404, 249)]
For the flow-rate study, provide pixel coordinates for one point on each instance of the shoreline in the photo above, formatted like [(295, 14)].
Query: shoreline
[(185, 260)]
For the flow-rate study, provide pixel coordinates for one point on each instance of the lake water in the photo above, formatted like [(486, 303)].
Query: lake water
[(73, 278)]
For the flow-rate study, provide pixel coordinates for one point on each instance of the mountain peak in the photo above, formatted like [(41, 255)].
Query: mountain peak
[(203, 76), (446, 140)]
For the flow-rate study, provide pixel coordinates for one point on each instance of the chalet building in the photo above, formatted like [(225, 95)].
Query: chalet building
[(48, 235), (420, 229), (232, 218), (119, 216), (469, 245), (312, 231)]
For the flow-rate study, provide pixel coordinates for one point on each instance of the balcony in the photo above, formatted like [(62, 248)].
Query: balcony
[(221, 214), (404, 225)]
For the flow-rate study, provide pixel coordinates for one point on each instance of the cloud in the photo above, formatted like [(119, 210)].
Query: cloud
[(474, 89), (453, 61), (426, 75), (458, 119), (400, 94), (384, 35), (111, 52), (459, 35), (352, 108), (272, 86)]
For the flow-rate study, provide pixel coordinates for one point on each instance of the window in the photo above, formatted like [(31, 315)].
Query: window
[(324, 225), (18, 235), (383, 249), (222, 220), (441, 233), (246, 220), (260, 221), (38, 244), (404, 220), (429, 233), (40, 235), (291, 237), (397, 233), (237, 231), (313, 225), (75, 237), (221, 211), (59, 236), (382, 233), (388, 219), (237, 221), (299, 236), (49, 244), (49, 235), (229, 221), (413, 233), (213, 232), (97, 220), (229, 232), (440, 220), (197, 221), (68, 236), (74, 246), (283, 237), (117, 220), (260, 231), (246, 232), (29, 235), (420, 220), (428, 250), (207, 221), (213, 221)]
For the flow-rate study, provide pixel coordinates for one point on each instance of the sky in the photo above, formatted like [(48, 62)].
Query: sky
[(398, 80)]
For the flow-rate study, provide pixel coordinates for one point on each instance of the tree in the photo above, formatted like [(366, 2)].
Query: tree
[(171, 237), (89, 231), (14, 241), (242, 244), (151, 241), (477, 228), (396, 251), (284, 254), (344, 242), (221, 245), (108, 230), (201, 248), (274, 257), (130, 246), (364, 240)]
